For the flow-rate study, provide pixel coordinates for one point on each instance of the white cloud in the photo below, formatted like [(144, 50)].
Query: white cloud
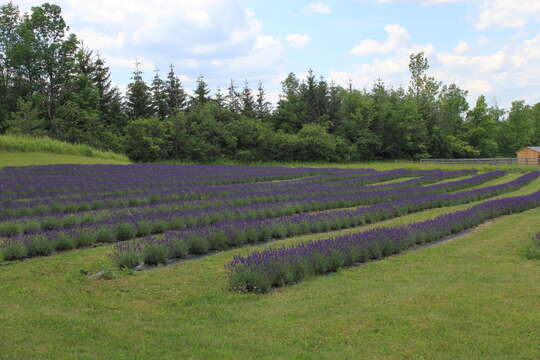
[(298, 40), (166, 29), (462, 47), (507, 13), (422, 2), (510, 70), (482, 63), (218, 38), (393, 68), (128, 62), (397, 37), (264, 58), (483, 40), (316, 8), (493, 13)]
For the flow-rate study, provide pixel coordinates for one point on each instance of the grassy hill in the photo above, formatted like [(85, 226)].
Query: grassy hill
[(22, 150)]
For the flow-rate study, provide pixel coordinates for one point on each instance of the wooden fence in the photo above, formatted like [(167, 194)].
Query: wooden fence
[(494, 161)]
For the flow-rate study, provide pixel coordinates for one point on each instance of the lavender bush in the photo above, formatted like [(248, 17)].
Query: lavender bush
[(262, 270)]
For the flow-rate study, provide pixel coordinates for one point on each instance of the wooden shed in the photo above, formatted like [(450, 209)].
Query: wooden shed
[(529, 155)]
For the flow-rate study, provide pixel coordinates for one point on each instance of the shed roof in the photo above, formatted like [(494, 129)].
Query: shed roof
[(534, 148)]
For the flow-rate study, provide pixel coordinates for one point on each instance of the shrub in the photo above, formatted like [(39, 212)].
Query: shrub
[(8, 229), (127, 259), (198, 245), (105, 234), (14, 251), (125, 231), (64, 242), (154, 254), (86, 238), (40, 246), (250, 281), (146, 140), (178, 249), (532, 250), (218, 241)]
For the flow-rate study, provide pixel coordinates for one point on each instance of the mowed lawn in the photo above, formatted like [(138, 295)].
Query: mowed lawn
[(473, 297)]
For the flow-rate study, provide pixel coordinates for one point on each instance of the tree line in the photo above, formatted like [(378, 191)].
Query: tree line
[(52, 85)]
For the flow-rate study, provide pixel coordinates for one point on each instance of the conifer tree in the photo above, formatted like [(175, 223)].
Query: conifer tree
[(201, 92), (139, 101), (248, 104), (262, 107), (219, 99), (233, 99), (159, 97), (176, 96)]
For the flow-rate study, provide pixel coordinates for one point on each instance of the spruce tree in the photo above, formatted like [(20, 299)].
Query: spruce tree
[(233, 99), (219, 99), (262, 107), (201, 92), (176, 96), (138, 102), (159, 97), (248, 104)]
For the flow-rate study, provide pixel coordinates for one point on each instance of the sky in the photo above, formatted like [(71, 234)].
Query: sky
[(489, 47)]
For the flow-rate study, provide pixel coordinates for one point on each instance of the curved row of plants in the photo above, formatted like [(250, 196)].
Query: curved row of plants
[(37, 181), (195, 240), (34, 224), (12, 209), (260, 271), (126, 226)]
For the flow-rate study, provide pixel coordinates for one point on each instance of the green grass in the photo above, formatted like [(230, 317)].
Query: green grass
[(381, 165), (26, 144), (29, 158), (471, 298)]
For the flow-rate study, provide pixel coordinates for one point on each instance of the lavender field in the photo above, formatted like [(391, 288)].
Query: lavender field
[(203, 239), (155, 213)]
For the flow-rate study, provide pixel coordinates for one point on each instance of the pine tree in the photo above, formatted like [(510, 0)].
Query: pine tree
[(219, 99), (159, 97), (176, 96), (248, 104), (262, 107), (201, 92), (233, 99), (139, 102)]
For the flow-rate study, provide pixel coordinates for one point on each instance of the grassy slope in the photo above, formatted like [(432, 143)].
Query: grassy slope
[(13, 144), (472, 297), (30, 158)]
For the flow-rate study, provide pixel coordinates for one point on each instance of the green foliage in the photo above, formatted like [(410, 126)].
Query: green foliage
[(128, 259), (532, 250), (27, 120), (146, 140), (53, 86), (154, 254), (14, 251)]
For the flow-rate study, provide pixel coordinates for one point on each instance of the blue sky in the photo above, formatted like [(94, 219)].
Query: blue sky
[(489, 47)]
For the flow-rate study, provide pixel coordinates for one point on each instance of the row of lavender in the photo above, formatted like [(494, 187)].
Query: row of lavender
[(127, 226), (311, 198), (228, 234), (262, 270), (18, 182), (12, 208)]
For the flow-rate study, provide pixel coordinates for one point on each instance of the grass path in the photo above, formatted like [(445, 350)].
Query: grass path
[(470, 298)]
